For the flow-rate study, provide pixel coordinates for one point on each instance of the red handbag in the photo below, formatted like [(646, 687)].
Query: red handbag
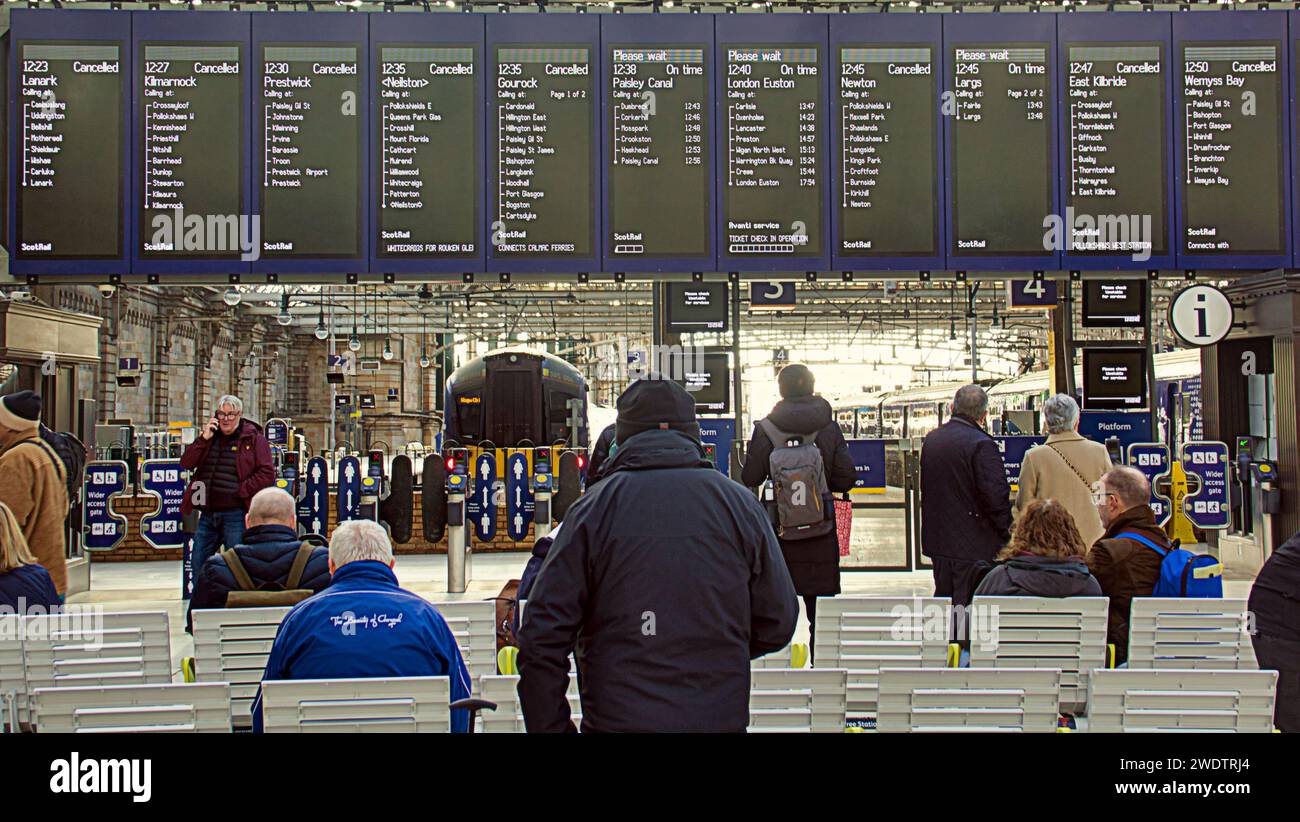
[(844, 524)]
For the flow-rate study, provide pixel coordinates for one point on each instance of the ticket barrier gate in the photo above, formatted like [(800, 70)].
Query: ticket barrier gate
[(458, 548), (543, 486), (374, 486), (287, 480), (1267, 499)]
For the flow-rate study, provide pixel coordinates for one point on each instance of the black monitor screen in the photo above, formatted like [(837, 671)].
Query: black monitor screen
[(1114, 303), (697, 307), (706, 376), (1114, 379)]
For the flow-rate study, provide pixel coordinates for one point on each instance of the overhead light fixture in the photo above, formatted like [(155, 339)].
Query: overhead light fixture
[(388, 350), (354, 342), (232, 296), (284, 317), (322, 331), (424, 359)]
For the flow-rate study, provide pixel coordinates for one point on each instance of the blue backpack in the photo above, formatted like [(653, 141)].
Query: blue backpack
[(1182, 573)]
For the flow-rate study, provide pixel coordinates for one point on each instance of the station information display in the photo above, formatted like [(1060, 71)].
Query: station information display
[(310, 175), (1114, 379), (772, 136), (190, 147), (887, 151), (1232, 118), (706, 376), (426, 140), (1114, 304), (657, 112), (1001, 166), (541, 132), (1114, 179), (696, 307), (70, 120)]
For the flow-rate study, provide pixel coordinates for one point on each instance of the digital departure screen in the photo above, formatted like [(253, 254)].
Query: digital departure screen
[(426, 142), (658, 111), (1114, 379), (1233, 191), (696, 307), (310, 179), (772, 200), (1114, 303), (1113, 128), (191, 131), (1001, 164), (706, 376), (888, 202), (541, 136), (71, 126)]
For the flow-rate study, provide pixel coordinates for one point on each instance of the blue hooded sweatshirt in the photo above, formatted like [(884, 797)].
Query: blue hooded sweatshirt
[(387, 632)]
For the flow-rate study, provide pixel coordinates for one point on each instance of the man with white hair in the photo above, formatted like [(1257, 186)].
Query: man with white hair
[(270, 559), (228, 463), (1065, 468), (364, 626)]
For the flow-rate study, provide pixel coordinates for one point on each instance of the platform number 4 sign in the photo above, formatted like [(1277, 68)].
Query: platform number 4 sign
[(1201, 315)]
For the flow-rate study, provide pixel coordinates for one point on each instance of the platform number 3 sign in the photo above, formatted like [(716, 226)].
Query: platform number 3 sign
[(1201, 315)]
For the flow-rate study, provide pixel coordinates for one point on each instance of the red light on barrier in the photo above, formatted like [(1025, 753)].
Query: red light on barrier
[(451, 464), (582, 462)]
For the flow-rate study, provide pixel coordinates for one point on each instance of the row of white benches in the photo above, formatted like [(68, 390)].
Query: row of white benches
[(858, 635)]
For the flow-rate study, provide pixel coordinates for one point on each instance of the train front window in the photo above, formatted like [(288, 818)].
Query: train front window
[(469, 413), (557, 422)]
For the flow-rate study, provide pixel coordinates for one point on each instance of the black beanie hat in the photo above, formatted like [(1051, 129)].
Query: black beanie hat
[(795, 380), (654, 402), (20, 411)]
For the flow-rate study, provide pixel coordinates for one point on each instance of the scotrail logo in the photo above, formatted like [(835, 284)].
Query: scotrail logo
[(1101, 233), (178, 232), (126, 776)]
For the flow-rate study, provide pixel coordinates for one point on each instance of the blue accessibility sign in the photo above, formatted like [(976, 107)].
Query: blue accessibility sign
[(519, 499), (1208, 508), (1152, 459), (349, 500), (314, 507), (101, 528), (164, 480), (482, 505)]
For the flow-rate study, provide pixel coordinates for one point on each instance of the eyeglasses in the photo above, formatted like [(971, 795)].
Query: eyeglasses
[(1098, 497), (221, 415)]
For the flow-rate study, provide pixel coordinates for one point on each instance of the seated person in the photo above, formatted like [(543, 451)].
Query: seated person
[(267, 555), (365, 626), (1043, 559), (1125, 567), (1275, 602), (25, 586)]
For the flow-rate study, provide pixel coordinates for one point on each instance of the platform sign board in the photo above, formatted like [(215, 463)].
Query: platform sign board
[(277, 432), (314, 507), (719, 432), (1012, 450), (869, 466), (519, 498), (1028, 294), (1152, 459), (770, 296), (482, 504), (1129, 427), (102, 529), (1209, 508), (349, 494), (165, 480)]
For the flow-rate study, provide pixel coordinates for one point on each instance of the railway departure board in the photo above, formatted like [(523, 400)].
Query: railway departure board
[(886, 142), (658, 133), (542, 137), (1232, 117), (1001, 168), (1114, 143), (68, 137)]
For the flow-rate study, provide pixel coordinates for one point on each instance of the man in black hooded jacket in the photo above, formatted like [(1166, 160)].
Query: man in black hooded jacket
[(1275, 602), (665, 581), (814, 563)]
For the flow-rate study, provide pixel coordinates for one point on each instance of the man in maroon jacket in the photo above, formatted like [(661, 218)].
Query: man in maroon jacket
[(228, 463)]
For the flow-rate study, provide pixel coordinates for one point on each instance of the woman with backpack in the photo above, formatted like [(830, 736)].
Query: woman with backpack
[(809, 542)]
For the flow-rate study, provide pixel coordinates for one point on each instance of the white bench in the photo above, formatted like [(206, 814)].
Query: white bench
[(864, 634), (508, 718), (405, 704), (176, 708), (1067, 634), (784, 658), (798, 700), (1190, 633), (474, 624), (1198, 700), (13, 683), (978, 700), (231, 645)]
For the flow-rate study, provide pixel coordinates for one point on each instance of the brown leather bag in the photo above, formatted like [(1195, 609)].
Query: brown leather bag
[(269, 594)]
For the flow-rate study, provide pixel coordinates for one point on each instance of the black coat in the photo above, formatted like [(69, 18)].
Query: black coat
[(667, 580), (32, 585), (1034, 576), (599, 453), (267, 555), (814, 563), (965, 498), (1275, 602)]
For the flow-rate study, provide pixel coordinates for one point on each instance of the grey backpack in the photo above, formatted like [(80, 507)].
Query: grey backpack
[(799, 484)]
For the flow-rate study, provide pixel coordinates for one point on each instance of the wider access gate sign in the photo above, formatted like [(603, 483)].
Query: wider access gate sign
[(1209, 508)]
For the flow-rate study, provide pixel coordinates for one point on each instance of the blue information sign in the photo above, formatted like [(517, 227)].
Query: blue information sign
[(349, 500), (1208, 508), (719, 432), (769, 296), (519, 509), (314, 507), (277, 432), (1152, 459), (165, 480), (1013, 450), (101, 528), (1129, 426), (869, 465), (482, 508), (1031, 293)]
